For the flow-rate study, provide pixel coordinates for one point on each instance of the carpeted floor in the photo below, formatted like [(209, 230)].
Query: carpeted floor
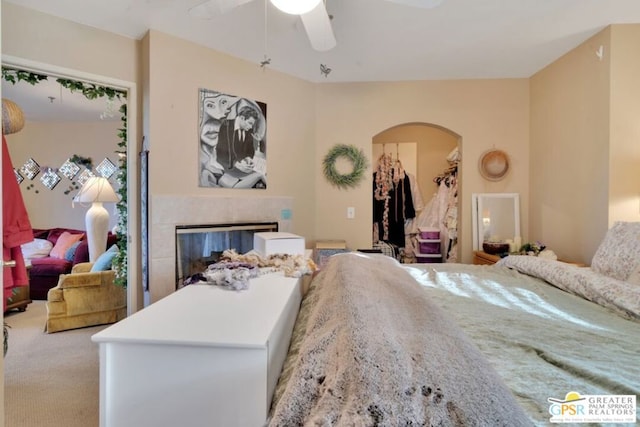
[(51, 380)]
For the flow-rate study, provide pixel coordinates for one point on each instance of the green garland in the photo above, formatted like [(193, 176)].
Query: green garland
[(120, 260), (14, 76), (93, 91), (358, 161), (90, 90)]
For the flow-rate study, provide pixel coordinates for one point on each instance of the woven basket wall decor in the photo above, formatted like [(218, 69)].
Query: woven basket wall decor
[(12, 117), (494, 165)]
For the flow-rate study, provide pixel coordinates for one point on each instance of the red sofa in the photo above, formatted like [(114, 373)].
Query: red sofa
[(44, 272)]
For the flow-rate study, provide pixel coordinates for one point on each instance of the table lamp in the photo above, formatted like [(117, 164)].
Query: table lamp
[(96, 190)]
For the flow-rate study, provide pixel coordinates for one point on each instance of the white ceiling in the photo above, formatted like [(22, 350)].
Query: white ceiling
[(377, 40)]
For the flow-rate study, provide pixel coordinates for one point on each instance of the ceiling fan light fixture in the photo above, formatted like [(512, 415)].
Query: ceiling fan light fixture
[(295, 7)]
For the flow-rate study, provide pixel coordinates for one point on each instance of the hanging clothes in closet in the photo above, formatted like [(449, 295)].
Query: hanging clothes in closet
[(392, 201), (441, 211), (410, 225)]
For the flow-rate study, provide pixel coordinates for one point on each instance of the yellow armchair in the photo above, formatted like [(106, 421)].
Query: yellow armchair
[(83, 298)]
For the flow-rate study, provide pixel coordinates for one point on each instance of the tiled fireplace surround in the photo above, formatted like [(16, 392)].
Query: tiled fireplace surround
[(167, 211)]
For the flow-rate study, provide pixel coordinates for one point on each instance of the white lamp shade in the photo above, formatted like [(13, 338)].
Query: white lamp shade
[(295, 7), (96, 189)]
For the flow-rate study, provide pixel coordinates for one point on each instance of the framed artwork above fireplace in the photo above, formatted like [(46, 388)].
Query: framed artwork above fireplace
[(232, 141)]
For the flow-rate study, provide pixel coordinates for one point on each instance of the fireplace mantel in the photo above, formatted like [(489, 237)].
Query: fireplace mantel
[(168, 211)]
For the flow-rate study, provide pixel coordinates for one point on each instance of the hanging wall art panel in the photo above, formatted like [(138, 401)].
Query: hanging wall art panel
[(69, 169), (232, 140), (30, 169), (50, 179)]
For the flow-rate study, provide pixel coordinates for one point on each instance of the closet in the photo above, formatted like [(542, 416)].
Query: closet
[(406, 178)]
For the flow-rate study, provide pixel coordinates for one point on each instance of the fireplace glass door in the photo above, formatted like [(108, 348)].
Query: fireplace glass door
[(198, 246)]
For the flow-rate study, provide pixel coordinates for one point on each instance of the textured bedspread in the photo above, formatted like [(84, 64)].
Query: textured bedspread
[(620, 296), (543, 341), (375, 351)]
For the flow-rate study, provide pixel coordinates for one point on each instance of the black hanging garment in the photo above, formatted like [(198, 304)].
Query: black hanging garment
[(400, 207)]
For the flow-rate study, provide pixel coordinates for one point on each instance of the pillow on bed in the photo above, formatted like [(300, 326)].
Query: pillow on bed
[(618, 255)]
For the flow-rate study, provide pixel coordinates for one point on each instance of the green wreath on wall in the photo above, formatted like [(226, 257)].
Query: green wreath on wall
[(358, 162)]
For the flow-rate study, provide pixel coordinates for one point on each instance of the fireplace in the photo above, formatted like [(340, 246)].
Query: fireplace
[(198, 246), (169, 211)]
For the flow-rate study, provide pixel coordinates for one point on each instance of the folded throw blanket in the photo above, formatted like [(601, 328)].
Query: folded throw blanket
[(377, 352)]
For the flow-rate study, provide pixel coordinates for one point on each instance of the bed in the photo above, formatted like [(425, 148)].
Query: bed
[(378, 343)]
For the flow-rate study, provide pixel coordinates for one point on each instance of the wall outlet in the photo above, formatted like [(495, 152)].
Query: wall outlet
[(351, 213)]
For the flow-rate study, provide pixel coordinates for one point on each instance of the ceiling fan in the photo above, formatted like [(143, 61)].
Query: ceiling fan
[(313, 13)]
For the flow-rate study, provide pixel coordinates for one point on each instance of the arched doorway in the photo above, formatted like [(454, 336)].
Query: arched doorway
[(428, 155)]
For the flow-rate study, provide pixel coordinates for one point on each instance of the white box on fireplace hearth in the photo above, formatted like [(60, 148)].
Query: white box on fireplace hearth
[(278, 242)]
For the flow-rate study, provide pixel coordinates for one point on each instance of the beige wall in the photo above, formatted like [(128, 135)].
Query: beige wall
[(624, 150), (485, 113), (179, 70), (584, 143), (50, 40), (492, 113), (51, 144)]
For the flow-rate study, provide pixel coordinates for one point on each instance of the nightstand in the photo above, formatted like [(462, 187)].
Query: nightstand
[(483, 258)]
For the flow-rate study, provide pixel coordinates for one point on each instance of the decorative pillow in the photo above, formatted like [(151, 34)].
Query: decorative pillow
[(619, 253), (71, 252), (64, 242), (103, 263), (82, 253), (38, 248), (54, 233)]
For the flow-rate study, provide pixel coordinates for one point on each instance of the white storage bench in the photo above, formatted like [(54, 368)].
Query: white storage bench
[(202, 356)]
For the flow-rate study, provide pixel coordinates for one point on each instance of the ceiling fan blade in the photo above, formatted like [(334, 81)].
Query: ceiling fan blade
[(211, 8), (317, 24), (425, 4)]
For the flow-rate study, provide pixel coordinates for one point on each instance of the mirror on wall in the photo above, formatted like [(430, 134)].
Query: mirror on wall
[(496, 217)]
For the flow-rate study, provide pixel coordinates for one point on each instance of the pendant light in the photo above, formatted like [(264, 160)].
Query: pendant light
[(295, 7)]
